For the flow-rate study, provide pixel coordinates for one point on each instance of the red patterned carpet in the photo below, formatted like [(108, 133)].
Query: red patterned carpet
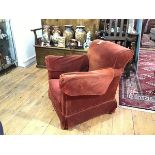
[(139, 90), (146, 42)]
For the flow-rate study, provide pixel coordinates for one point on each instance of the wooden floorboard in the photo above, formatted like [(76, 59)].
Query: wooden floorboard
[(25, 109)]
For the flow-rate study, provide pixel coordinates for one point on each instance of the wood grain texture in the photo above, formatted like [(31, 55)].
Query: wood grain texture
[(25, 109), (41, 52)]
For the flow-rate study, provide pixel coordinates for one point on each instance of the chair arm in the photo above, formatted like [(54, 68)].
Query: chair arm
[(118, 72), (86, 83), (56, 65)]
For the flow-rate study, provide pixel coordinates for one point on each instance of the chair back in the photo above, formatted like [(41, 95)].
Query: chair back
[(104, 54)]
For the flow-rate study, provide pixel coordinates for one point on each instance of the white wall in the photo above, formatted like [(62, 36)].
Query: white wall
[(24, 39)]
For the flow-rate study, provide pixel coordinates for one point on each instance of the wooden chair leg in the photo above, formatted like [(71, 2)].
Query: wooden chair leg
[(64, 125), (112, 111)]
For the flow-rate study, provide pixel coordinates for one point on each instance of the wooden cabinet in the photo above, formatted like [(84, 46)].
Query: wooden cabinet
[(42, 51)]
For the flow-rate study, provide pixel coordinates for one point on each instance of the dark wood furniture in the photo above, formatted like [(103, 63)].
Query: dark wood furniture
[(116, 30), (42, 51), (131, 42), (112, 30), (35, 35), (148, 24)]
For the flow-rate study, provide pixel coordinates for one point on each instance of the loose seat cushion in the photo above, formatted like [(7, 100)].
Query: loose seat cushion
[(86, 83)]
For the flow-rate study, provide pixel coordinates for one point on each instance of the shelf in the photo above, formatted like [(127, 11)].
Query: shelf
[(60, 48), (43, 51)]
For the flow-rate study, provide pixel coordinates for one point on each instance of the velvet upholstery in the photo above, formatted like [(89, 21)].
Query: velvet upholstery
[(88, 83), (57, 65), (84, 86)]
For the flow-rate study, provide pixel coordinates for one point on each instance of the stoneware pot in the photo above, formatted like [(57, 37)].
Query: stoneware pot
[(56, 34), (88, 39), (80, 35), (68, 34), (46, 34), (61, 42), (73, 44)]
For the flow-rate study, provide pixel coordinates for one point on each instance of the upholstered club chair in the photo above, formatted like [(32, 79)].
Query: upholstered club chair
[(84, 86)]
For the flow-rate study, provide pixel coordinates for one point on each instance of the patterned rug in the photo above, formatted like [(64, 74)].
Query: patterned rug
[(146, 42), (138, 90)]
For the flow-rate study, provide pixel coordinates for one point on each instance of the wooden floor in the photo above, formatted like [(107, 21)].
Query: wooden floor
[(26, 109)]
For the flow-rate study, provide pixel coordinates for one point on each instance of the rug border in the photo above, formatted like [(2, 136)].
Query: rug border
[(138, 84), (137, 109)]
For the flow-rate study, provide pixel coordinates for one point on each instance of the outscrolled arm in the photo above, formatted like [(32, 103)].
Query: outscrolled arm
[(56, 65), (86, 83)]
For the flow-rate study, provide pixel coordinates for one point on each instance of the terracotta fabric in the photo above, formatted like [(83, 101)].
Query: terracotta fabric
[(75, 104), (55, 88), (83, 87), (104, 54), (86, 83), (59, 64)]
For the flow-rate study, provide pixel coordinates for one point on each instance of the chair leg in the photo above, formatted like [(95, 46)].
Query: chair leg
[(64, 125), (66, 128), (112, 111)]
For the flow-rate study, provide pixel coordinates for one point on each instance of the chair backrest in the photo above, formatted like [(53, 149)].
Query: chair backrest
[(115, 29), (104, 54)]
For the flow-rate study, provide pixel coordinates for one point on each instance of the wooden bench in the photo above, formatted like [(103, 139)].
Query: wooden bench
[(116, 30)]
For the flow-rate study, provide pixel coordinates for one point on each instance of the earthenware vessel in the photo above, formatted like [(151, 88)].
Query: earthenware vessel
[(88, 39), (68, 34), (56, 34), (73, 44), (80, 35), (61, 42), (46, 34)]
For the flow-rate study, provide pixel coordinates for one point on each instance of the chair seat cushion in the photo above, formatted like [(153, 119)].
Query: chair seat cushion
[(55, 89)]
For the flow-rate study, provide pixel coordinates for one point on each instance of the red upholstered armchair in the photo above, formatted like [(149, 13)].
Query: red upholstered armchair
[(84, 86)]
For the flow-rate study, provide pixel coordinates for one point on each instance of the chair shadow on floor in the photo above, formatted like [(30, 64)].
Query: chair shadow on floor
[(1, 129), (93, 124)]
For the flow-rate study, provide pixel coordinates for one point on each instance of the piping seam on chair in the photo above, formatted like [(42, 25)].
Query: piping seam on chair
[(89, 108)]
